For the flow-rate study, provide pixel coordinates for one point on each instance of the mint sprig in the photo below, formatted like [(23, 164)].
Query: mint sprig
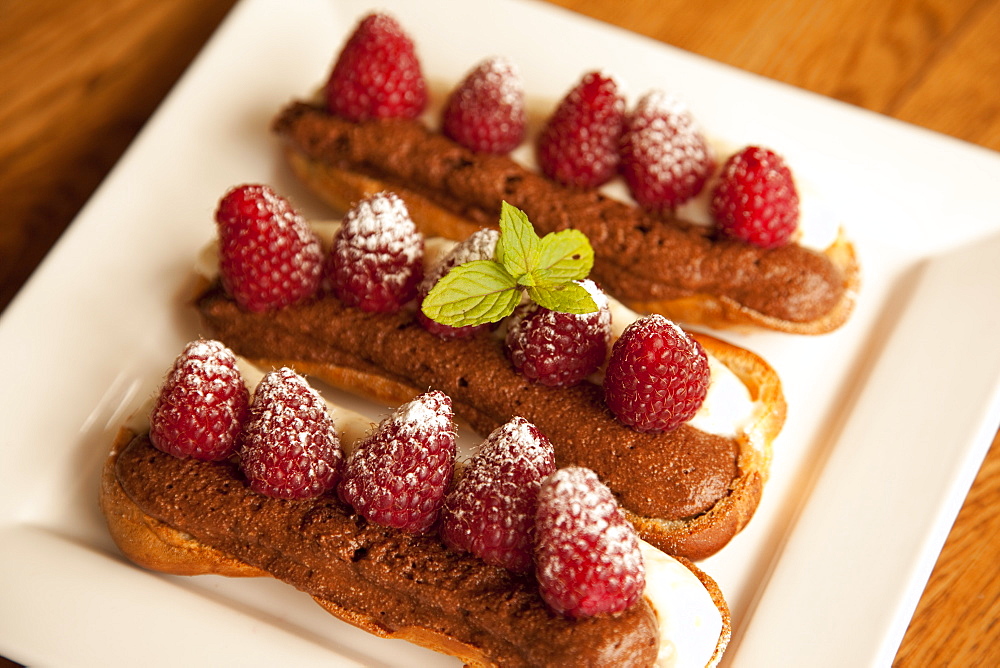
[(545, 268), (477, 292)]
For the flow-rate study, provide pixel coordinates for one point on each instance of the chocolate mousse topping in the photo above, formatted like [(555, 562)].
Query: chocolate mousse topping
[(396, 579), (671, 475), (639, 257)]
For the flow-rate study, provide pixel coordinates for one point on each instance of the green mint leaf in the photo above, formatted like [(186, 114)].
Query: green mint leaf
[(474, 293), (566, 298), (488, 290), (518, 247), (563, 256)]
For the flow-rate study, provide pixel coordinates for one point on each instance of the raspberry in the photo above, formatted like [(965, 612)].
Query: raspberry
[(480, 245), (665, 158), (376, 261), (447, 332), (269, 258), (559, 349), (290, 447), (755, 200), (202, 405), (377, 74), (578, 146), (486, 112), (587, 557), (657, 376), (398, 476), (491, 511)]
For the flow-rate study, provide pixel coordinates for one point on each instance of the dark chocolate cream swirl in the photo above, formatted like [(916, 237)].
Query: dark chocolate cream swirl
[(396, 581), (639, 257), (673, 475)]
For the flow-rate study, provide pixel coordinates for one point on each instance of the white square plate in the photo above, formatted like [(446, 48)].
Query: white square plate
[(889, 417)]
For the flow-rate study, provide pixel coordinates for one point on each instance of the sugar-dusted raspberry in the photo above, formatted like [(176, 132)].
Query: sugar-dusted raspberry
[(269, 257), (398, 476), (377, 74), (665, 158), (480, 245), (756, 200), (290, 446), (491, 511), (202, 404), (587, 557), (559, 349), (376, 261), (486, 111), (447, 332), (579, 144), (657, 377)]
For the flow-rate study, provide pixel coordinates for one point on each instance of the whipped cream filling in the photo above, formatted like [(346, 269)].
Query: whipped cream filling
[(690, 623)]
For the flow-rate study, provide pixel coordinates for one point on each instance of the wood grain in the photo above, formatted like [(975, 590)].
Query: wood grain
[(957, 621), (80, 78)]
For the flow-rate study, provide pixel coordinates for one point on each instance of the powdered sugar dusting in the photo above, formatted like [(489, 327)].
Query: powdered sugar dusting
[(517, 442), (486, 111), (587, 556), (291, 448), (602, 321), (480, 245), (202, 404), (425, 414), (501, 77), (206, 361), (491, 510), (381, 224), (398, 475), (657, 321), (523, 437), (377, 255), (665, 158)]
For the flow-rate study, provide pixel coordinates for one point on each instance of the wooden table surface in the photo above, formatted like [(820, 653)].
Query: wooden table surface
[(79, 78)]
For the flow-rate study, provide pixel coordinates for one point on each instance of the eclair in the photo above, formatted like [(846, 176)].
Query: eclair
[(650, 263), (188, 515), (688, 490), (650, 259)]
